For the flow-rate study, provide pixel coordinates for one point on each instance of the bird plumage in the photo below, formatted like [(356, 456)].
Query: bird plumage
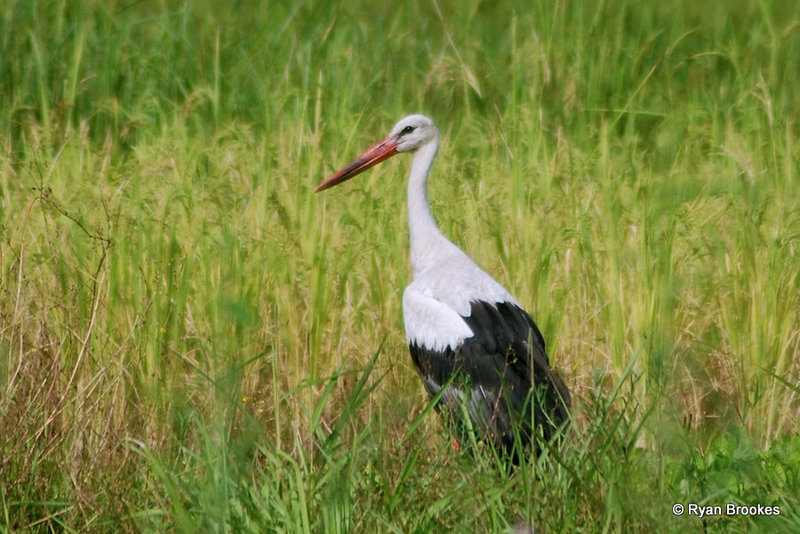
[(474, 346)]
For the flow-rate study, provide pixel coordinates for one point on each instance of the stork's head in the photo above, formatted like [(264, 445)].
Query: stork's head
[(408, 135), (413, 132)]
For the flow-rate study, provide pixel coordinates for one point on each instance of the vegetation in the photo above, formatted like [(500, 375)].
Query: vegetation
[(191, 340)]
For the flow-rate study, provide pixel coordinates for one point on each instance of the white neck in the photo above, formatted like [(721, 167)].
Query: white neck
[(427, 241)]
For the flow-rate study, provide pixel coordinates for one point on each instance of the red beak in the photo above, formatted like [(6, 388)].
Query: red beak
[(375, 154)]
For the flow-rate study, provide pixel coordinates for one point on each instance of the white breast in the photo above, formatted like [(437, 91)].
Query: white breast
[(435, 303), (431, 323)]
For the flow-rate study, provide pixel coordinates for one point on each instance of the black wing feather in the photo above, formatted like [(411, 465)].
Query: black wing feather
[(503, 373)]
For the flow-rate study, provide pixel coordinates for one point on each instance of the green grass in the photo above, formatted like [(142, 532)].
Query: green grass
[(191, 340)]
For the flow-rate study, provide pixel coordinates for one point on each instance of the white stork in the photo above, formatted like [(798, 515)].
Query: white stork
[(466, 333)]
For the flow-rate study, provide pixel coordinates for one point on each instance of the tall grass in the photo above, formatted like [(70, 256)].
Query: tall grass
[(191, 340)]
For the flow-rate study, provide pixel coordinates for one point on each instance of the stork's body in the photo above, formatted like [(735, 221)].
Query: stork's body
[(465, 332)]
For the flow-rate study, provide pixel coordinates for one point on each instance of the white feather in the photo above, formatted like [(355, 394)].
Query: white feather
[(431, 323), (445, 280)]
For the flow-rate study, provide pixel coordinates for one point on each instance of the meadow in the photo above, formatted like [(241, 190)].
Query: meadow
[(191, 340)]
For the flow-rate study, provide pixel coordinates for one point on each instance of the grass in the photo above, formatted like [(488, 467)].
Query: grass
[(191, 340)]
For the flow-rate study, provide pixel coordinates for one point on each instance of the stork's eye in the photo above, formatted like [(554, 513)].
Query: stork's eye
[(407, 130)]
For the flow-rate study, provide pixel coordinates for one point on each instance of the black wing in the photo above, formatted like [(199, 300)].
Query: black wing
[(501, 373)]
